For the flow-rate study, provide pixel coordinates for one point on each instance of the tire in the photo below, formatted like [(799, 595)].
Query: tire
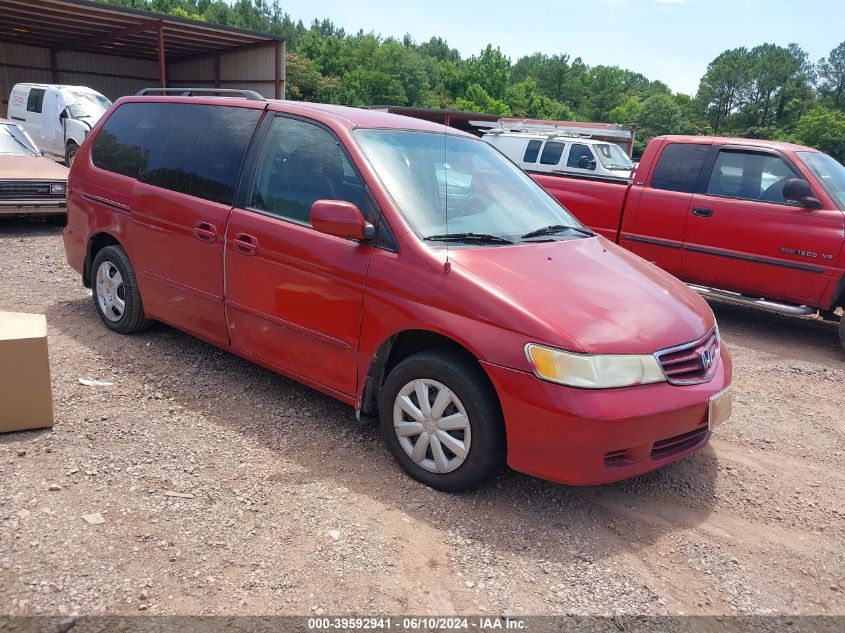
[(70, 153), (115, 291), (469, 394)]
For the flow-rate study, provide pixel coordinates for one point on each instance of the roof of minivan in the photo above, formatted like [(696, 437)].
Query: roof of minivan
[(363, 117), (347, 116)]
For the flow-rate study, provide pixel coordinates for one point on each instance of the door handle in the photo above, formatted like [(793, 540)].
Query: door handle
[(702, 212), (205, 232), (245, 244)]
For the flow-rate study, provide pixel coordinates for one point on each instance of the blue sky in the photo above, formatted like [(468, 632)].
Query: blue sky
[(670, 40)]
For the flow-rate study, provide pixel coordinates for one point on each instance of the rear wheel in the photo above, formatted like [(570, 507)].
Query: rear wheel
[(70, 153), (442, 421), (115, 291)]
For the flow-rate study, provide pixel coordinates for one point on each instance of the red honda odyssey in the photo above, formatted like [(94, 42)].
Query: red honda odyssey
[(405, 268)]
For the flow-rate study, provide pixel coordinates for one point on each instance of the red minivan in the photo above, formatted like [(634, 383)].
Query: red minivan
[(405, 268)]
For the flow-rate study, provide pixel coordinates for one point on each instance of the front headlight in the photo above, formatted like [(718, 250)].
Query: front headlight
[(590, 371), (58, 187)]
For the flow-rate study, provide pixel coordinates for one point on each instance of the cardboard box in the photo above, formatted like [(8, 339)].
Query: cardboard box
[(26, 399)]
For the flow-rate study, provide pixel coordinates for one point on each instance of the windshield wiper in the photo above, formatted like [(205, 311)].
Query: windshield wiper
[(556, 228), (24, 145), (480, 238)]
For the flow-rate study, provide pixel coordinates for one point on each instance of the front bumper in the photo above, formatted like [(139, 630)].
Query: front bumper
[(32, 207), (582, 436)]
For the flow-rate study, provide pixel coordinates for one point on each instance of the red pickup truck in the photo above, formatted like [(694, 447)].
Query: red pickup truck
[(752, 222)]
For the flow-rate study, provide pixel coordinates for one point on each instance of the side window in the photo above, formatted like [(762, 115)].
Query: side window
[(749, 176), (679, 167), (193, 149), (552, 152), (581, 156), (122, 144), (35, 100), (532, 151), (301, 163)]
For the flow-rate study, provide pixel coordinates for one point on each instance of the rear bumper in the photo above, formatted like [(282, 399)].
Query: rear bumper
[(580, 436)]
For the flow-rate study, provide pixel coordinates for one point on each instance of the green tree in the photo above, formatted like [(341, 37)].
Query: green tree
[(831, 72), (824, 129), (491, 71), (725, 85), (477, 99)]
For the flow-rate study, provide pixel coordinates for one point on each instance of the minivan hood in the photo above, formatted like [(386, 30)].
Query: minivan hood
[(595, 296)]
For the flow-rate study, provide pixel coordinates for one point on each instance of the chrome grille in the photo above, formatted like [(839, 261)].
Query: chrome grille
[(691, 363), (27, 189)]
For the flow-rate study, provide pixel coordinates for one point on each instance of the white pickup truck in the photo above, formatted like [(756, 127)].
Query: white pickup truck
[(554, 150)]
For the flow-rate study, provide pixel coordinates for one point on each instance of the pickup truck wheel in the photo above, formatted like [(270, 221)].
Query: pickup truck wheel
[(442, 421), (115, 291), (70, 153)]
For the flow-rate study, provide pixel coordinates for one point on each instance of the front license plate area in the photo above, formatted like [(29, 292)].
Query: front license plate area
[(720, 408)]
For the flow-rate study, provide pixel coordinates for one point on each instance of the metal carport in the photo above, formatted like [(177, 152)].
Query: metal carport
[(117, 51)]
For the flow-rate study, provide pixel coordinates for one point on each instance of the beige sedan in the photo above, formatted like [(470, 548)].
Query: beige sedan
[(29, 183)]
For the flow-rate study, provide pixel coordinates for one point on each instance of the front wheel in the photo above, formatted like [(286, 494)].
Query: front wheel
[(442, 421), (115, 291), (70, 153)]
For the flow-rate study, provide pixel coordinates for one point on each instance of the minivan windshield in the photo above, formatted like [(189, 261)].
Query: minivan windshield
[(612, 157), (88, 105), (829, 172), (454, 188), (15, 142)]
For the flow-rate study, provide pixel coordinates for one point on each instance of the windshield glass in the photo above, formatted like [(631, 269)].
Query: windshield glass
[(88, 104), (612, 157), (14, 141), (447, 184), (829, 172)]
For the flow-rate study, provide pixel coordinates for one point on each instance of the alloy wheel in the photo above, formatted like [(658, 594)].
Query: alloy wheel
[(111, 295)]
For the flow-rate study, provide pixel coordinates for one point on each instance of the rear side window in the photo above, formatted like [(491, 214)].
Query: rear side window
[(193, 149), (35, 100), (301, 163), (532, 151), (679, 167), (552, 153)]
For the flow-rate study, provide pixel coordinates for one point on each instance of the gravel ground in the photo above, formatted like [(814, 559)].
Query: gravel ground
[(227, 489)]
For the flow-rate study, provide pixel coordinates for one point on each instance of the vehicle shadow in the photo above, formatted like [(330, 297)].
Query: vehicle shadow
[(543, 521), (27, 227), (810, 339)]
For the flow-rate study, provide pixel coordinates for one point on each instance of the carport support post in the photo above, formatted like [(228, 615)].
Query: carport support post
[(280, 51), (162, 64)]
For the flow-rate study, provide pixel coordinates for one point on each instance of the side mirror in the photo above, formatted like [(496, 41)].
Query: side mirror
[(798, 190), (587, 163), (341, 219), (64, 114)]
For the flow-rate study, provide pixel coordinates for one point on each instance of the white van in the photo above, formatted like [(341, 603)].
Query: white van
[(57, 117), (549, 149)]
